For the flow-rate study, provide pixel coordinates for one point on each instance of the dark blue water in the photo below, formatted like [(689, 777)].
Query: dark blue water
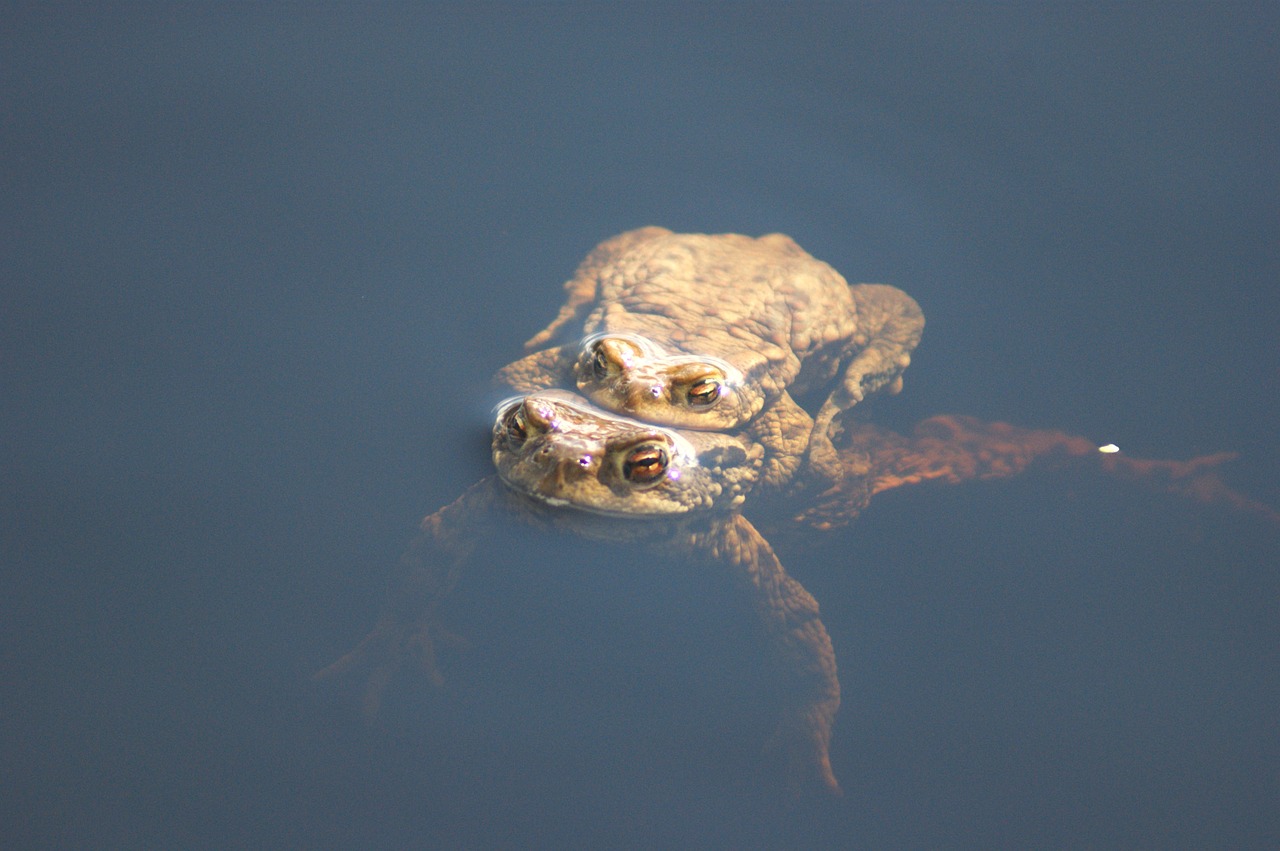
[(258, 266)]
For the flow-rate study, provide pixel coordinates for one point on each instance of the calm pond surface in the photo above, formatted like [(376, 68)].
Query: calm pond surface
[(259, 264)]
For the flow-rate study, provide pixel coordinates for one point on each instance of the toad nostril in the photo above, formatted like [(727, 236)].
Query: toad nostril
[(644, 391)]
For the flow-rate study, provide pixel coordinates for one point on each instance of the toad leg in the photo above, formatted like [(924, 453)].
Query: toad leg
[(889, 327), (408, 629), (799, 642)]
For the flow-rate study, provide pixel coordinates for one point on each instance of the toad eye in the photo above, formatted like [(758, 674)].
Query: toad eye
[(600, 363), (704, 393), (645, 465), (514, 425)]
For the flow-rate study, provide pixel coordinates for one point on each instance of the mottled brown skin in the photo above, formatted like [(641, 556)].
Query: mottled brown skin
[(563, 464), (713, 332)]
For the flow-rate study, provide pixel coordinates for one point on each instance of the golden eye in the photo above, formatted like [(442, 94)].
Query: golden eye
[(599, 363), (514, 423), (645, 465), (704, 393)]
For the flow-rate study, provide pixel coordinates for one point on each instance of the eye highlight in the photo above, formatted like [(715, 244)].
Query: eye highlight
[(645, 464)]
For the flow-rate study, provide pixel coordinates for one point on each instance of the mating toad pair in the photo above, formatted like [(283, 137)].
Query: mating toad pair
[(692, 352), (720, 333), (711, 335), (692, 346)]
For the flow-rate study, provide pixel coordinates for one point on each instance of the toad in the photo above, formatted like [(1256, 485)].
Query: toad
[(683, 493), (711, 332)]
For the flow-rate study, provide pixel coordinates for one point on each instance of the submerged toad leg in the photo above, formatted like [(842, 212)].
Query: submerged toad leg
[(799, 641), (955, 449), (408, 629)]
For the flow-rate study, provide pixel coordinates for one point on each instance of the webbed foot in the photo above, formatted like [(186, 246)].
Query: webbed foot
[(390, 646)]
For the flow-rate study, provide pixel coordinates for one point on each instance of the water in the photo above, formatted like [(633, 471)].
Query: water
[(260, 264)]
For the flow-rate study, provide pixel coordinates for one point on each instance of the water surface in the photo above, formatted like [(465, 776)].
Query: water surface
[(260, 263)]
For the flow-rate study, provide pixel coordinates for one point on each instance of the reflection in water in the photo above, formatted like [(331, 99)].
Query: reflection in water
[(951, 449)]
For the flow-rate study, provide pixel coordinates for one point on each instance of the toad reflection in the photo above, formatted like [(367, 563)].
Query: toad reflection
[(688, 493)]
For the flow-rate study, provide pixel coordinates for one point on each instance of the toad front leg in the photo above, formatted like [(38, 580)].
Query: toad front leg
[(409, 631), (799, 642)]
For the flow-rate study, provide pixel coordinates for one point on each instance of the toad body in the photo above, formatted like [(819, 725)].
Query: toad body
[(715, 331)]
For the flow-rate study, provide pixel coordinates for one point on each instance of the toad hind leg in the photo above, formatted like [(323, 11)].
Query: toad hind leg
[(891, 323)]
